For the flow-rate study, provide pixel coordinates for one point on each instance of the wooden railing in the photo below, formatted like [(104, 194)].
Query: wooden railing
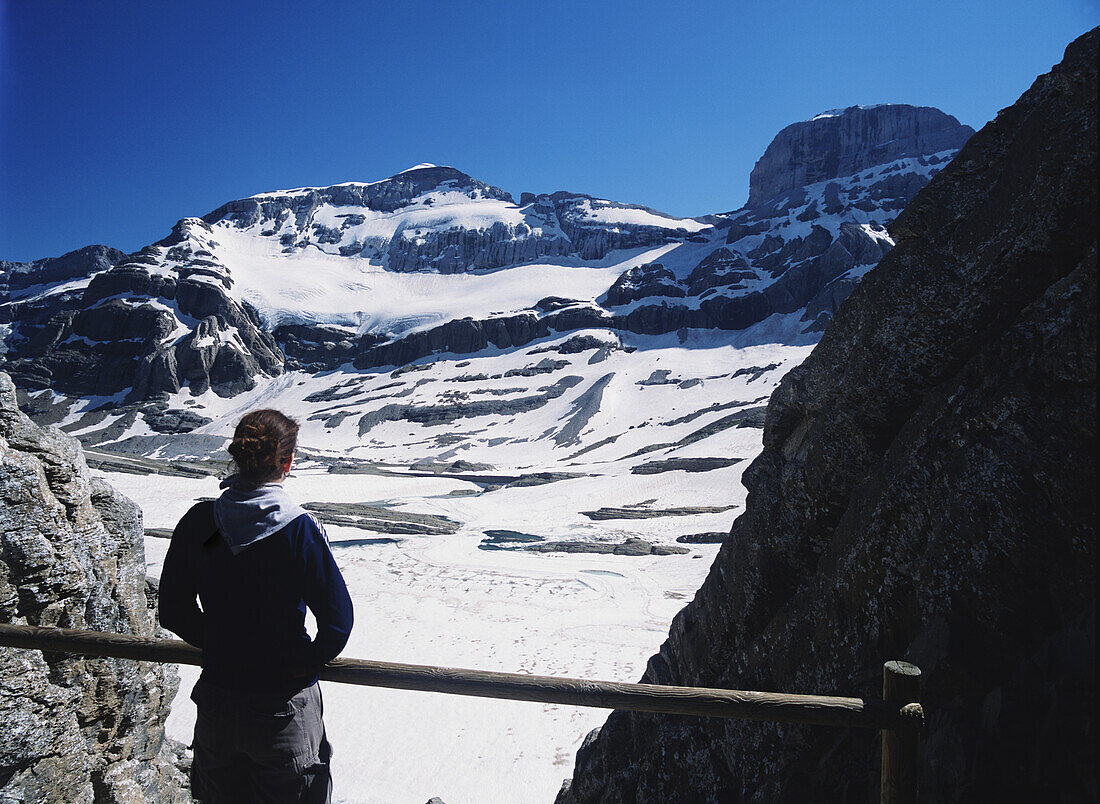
[(899, 715)]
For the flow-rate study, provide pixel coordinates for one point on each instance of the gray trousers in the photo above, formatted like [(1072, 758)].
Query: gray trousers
[(254, 748)]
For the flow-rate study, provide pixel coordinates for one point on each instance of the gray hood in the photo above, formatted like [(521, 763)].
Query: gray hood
[(245, 514)]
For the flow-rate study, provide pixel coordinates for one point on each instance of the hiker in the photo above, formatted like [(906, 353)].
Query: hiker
[(255, 560)]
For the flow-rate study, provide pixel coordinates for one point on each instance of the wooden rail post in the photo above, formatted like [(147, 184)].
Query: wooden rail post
[(900, 747)]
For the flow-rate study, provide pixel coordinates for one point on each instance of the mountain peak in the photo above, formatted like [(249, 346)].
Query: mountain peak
[(421, 166), (839, 112), (841, 142), (386, 195)]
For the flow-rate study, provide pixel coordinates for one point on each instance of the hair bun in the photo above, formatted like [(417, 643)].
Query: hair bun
[(262, 442)]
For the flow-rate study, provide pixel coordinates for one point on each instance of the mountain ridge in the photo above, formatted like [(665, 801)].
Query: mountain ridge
[(294, 279)]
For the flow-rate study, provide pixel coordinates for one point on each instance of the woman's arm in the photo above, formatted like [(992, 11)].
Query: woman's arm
[(325, 592)]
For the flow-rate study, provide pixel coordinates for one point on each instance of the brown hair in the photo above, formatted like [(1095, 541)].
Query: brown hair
[(263, 441)]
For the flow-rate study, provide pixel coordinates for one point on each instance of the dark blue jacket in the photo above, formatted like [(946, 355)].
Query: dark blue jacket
[(251, 624)]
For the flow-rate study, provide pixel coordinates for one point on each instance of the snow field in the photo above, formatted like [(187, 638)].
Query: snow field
[(440, 600), (315, 287)]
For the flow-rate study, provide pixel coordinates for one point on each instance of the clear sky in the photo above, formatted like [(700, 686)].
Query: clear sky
[(118, 118)]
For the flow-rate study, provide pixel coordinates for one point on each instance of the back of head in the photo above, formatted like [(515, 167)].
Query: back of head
[(263, 441)]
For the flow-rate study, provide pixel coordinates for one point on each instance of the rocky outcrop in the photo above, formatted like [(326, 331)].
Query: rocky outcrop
[(316, 347), (926, 492), (227, 349), (380, 520), (71, 555), (631, 546), (155, 322), (723, 267), (460, 336), (642, 512), (769, 267), (16, 276), (292, 216), (388, 195), (458, 249), (805, 251), (552, 225), (448, 412), (643, 281), (595, 226), (844, 142)]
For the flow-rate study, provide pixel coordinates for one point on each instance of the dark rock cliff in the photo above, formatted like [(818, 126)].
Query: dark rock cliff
[(925, 493), (71, 555), (591, 239), (844, 142)]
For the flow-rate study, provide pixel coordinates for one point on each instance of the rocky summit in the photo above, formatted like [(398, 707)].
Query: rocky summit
[(926, 493), (844, 142), (71, 555)]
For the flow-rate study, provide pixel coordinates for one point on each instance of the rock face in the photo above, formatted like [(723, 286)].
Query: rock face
[(380, 196), (925, 493), (843, 142), (72, 555), (302, 218), (559, 224), (595, 226), (803, 250), (17, 276)]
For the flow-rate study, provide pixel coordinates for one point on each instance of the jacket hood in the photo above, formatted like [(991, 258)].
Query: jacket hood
[(245, 514)]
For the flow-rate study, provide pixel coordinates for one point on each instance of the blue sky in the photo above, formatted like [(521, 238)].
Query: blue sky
[(118, 118)]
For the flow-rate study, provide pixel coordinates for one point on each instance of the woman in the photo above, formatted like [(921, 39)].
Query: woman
[(255, 560)]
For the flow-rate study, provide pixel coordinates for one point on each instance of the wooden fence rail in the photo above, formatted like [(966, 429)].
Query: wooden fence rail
[(900, 716)]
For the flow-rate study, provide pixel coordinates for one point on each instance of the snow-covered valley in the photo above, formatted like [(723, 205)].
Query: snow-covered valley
[(524, 424)]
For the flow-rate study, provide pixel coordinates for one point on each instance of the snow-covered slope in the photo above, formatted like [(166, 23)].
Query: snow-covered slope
[(329, 291), (432, 218)]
